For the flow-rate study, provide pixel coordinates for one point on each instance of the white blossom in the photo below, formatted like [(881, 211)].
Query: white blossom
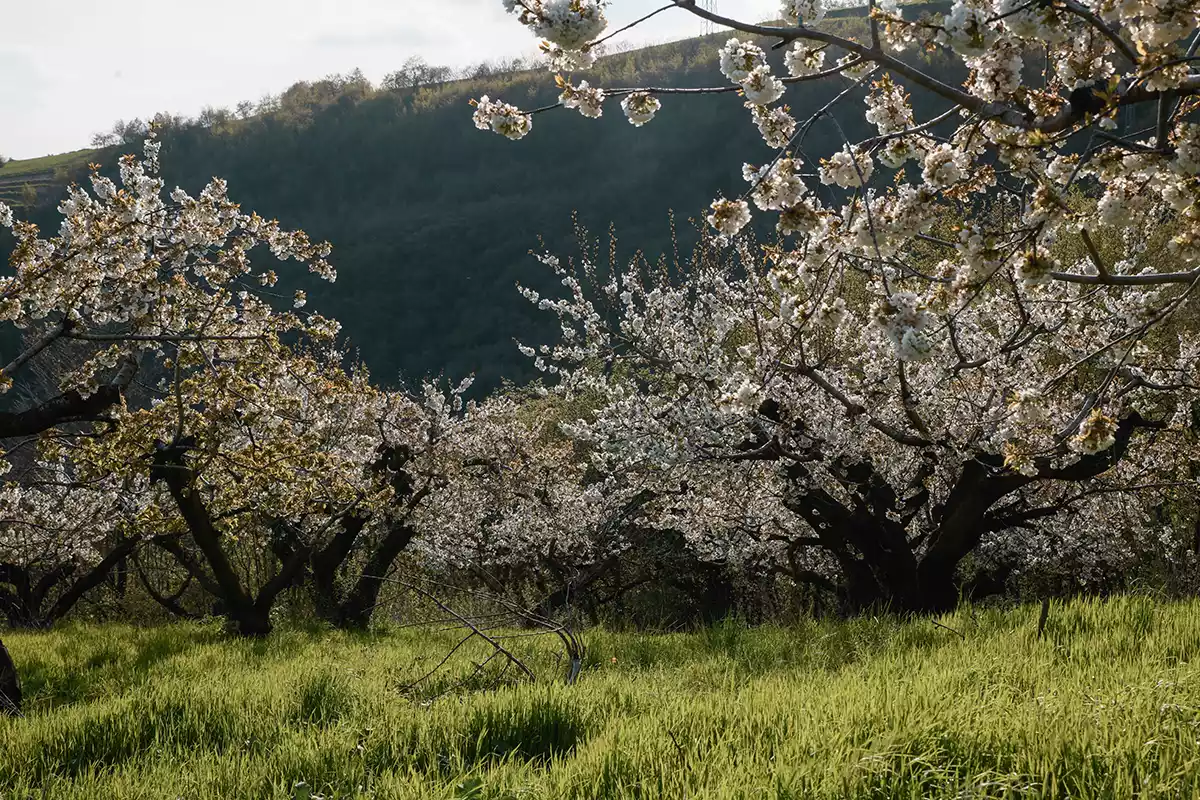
[(761, 87), (502, 118), (729, 216), (739, 59), (803, 59), (810, 12), (847, 168), (776, 125), (569, 24), (640, 107)]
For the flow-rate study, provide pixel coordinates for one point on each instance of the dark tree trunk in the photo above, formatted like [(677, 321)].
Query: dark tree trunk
[(10, 684), (24, 605), (574, 589), (324, 566), (253, 622), (88, 581), (869, 538), (16, 595), (355, 611), (204, 533), (247, 615)]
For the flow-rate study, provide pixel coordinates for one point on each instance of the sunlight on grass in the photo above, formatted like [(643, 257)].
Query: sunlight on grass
[(1105, 705), (31, 166)]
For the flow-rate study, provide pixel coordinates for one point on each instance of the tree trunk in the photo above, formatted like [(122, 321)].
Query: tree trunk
[(245, 615), (251, 622), (324, 565), (10, 685), (88, 581), (355, 612), (868, 536)]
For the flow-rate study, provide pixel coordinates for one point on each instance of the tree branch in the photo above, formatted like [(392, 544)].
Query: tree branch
[(71, 406)]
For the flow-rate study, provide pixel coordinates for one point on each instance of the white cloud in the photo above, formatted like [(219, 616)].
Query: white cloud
[(81, 64)]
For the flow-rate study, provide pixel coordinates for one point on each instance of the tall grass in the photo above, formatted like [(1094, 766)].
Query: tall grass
[(1105, 705)]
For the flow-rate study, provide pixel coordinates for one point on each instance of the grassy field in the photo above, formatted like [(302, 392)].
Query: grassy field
[(40, 175), (32, 166), (1106, 705)]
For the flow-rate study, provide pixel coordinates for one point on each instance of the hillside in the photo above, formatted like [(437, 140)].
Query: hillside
[(45, 175), (432, 220)]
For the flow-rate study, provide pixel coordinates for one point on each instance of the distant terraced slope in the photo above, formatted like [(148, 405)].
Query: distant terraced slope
[(43, 174)]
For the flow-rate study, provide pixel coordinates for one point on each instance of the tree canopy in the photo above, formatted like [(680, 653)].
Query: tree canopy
[(964, 354)]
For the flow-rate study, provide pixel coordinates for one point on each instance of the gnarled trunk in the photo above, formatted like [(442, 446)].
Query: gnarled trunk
[(10, 684), (326, 562), (25, 604), (882, 567), (247, 614), (355, 611), (252, 622)]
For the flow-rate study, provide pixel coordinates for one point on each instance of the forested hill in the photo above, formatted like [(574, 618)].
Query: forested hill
[(432, 220)]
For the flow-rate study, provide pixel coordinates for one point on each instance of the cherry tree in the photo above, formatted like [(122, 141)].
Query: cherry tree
[(265, 461), (417, 450), (63, 533), (1025, 140), (756, 386), (971, 323), (147, 283), (523, 507)]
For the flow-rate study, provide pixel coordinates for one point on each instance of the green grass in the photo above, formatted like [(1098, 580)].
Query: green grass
[(1106, 705), (31, 166)]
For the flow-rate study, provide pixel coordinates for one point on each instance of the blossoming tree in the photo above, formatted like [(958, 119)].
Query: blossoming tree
[(63, 536), (521, 507), (970, 324), (147, 285)]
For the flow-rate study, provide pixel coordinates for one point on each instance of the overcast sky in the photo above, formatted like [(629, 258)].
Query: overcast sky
[(72, 67)]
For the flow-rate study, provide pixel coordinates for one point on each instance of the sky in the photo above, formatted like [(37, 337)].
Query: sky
[(79, 65)]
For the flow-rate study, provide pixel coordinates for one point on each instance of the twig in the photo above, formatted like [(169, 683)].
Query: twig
[(678, 748), (1095, 255), (427, 675), (468, 624), (947, 627)]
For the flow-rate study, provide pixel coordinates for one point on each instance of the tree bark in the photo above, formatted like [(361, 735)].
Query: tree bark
[(10, 684), (68, 407), (355, 611), (88, 581), (245, 615), (324, 565), (880, 568), (253, 622)]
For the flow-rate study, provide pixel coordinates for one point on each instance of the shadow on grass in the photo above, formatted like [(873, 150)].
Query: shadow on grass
[(536, 732), (122, 731), (322, 700), (96, 664)]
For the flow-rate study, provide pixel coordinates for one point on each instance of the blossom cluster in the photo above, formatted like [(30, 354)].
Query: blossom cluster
[(852, 381), (640, 107), (569, 24), (502, 118)]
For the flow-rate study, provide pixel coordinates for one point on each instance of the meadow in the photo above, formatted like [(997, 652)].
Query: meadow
[(1106, 704), (33, 166)]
